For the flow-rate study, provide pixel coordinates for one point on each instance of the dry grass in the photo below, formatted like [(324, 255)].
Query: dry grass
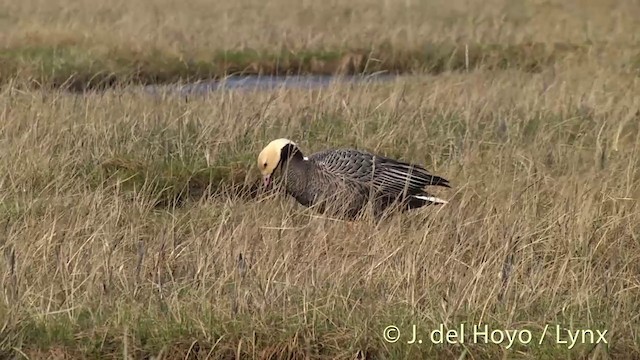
[(542, 227), (123, 237), (236, 25)]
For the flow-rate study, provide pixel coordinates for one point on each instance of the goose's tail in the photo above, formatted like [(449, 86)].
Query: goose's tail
[(431, 199)]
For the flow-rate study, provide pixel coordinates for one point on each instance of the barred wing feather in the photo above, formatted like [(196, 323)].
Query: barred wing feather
[(386, 174)]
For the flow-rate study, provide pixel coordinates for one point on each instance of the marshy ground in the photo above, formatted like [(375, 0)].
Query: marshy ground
[(132, 226)]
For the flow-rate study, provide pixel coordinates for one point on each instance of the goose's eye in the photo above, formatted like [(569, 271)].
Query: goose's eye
[(264, 165)]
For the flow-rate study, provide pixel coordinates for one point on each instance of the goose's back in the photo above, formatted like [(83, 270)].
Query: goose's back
[(332, 180)]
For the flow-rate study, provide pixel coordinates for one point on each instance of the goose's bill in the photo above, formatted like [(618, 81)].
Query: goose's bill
[(266, 180)]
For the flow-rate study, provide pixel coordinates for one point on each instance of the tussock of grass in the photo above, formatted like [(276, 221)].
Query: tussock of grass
[(172, 182)]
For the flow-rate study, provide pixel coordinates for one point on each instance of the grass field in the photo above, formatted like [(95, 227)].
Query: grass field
[(90, 43), (133, 228)]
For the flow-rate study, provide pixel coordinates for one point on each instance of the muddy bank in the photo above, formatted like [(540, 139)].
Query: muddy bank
[(77, 68)]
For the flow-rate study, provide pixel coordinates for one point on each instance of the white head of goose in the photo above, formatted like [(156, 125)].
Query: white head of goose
[(345, 181)]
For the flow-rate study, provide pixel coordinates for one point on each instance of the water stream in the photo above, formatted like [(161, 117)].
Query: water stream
[(255, 82)]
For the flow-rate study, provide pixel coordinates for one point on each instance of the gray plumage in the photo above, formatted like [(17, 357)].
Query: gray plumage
[(344, 181)]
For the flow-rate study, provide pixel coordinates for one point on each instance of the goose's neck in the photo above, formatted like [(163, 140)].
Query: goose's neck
[(298, 174)]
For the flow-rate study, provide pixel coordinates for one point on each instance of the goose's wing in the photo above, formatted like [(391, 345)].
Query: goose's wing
[(395, 176), (346, 164), (388, 175)]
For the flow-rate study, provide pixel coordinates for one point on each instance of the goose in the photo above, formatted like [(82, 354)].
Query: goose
[(344, 181)]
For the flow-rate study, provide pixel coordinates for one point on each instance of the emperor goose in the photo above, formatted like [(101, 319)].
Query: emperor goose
[(344, 181)]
